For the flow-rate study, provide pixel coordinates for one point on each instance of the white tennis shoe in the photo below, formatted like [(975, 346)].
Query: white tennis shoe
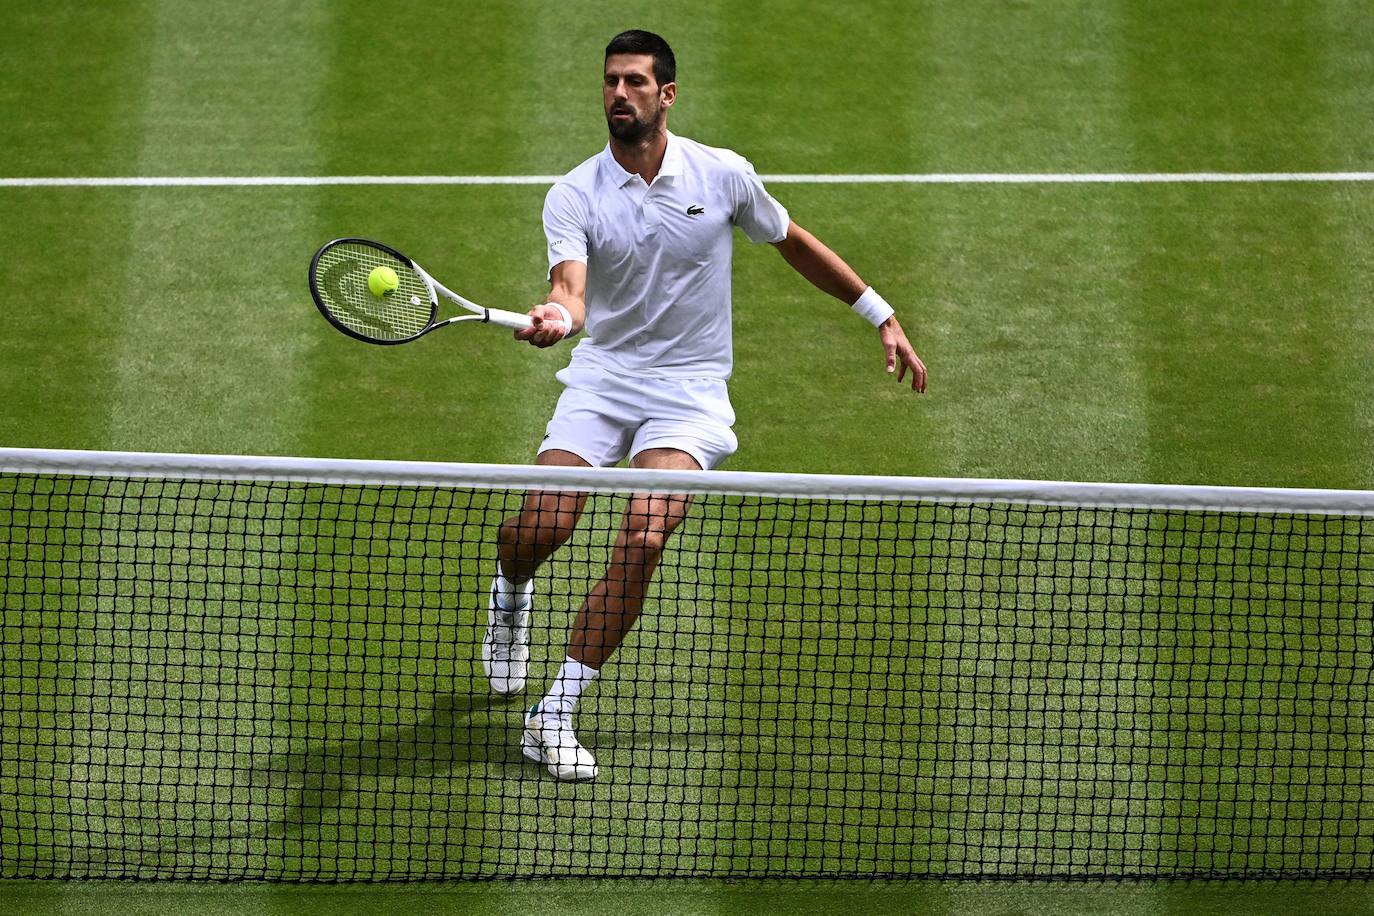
[(549, 739), (506, 647)]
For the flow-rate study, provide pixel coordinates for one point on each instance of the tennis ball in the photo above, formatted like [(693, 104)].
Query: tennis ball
[(382, 280)]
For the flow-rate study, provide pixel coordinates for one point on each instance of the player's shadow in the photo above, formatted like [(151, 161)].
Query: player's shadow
[(460, 729)]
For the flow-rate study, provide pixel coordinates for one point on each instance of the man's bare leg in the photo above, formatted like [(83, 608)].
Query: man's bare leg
[(606, 617), (615, 602), (545, 521)]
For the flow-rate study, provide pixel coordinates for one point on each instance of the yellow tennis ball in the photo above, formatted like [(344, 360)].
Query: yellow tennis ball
[(382, 280)]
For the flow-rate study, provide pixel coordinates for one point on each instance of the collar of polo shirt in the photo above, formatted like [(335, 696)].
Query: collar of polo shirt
[(672, 163)]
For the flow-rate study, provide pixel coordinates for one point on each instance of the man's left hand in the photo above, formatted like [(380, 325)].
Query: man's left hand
[(900, 355)]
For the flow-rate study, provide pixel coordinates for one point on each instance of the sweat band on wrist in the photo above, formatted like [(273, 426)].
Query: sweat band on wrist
[(872, 307), (567, 318)]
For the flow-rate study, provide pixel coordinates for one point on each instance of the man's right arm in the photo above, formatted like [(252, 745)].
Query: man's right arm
[(568, 288)]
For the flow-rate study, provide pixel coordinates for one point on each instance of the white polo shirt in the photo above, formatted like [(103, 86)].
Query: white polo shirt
[(659, 256)]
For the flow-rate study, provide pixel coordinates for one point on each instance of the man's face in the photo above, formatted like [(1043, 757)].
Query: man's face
[(633, 99)]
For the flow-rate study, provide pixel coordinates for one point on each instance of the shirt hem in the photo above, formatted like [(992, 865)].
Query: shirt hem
[(582, 360)]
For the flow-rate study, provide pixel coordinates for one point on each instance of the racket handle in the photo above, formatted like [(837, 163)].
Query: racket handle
[(508, 319)]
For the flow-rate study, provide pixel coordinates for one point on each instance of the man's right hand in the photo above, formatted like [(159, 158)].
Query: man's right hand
[(549, 327)]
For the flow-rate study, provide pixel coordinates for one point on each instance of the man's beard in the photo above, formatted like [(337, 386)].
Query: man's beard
[(632, 131)]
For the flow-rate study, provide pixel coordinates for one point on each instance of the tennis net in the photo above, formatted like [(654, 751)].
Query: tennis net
[(229, 667)]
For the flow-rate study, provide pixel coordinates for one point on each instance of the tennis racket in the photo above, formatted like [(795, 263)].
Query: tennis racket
[(339, 275)]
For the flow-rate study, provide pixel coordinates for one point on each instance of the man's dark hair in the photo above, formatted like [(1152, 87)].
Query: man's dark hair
[(637, 41)]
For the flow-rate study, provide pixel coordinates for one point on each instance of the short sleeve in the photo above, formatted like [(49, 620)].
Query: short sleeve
[(565, 225), (761, 217)]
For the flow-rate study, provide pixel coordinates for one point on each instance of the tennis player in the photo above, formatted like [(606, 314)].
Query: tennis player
[(640, 245)]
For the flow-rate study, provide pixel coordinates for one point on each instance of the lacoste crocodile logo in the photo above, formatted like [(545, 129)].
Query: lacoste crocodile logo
[(695, 210)]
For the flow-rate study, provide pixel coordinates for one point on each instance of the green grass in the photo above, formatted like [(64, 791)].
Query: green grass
[(1174, 334), (691, 896), (1192, 334)]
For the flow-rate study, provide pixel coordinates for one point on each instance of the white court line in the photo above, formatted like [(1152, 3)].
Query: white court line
[(933, 178)]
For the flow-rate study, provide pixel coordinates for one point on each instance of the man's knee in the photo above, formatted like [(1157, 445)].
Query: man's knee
[(646, 534), (646, 544), (538, 530), (546, 523)]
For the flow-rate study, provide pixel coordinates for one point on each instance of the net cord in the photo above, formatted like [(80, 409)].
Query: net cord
[(338, 471)]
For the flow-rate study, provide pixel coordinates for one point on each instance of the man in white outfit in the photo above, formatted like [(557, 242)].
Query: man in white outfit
[(640, 246)]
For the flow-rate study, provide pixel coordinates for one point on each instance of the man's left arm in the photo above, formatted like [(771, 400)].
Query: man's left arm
[(828, 272)]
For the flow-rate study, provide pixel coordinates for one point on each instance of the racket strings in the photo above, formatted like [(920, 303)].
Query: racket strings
[(341, 278)]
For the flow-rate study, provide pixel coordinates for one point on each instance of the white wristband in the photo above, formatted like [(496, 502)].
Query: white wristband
[(567, 318), (872, 307)]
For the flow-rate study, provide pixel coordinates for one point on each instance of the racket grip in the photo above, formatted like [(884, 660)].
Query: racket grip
[(508, 319)]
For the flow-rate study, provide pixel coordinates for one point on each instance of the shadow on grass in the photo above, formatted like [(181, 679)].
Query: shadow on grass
[(460, 730)]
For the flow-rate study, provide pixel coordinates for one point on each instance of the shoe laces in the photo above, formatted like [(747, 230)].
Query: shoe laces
[(560, 718)]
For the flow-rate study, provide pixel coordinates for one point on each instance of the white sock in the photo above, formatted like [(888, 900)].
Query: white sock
[(567, 687), (510, 595)]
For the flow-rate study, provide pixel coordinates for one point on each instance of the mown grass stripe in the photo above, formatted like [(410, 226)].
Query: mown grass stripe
[(206, 313), (1240, 290)]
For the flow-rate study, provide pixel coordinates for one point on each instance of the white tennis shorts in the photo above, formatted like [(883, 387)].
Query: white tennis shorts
[(604, 417)]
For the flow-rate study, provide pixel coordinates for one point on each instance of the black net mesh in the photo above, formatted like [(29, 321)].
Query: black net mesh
[(221, 679)]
